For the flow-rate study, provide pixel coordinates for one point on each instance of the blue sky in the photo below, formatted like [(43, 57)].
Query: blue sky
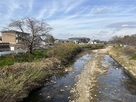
[(96, 19)]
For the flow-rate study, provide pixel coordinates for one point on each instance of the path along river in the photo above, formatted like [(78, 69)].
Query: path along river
[(95, 77)]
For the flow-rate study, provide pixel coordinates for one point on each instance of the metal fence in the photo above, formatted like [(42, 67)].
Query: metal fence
[(11, 52)]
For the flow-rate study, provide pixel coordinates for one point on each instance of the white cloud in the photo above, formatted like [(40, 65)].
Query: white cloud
[(42, 13), (73, 5), (74, 18)]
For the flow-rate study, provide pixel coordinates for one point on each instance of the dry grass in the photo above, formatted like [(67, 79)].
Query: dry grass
[(18, 79), (124, 59), (65, 52)]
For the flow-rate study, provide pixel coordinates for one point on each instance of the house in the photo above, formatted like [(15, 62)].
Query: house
[(78, 40), (15, 38), (4, 46), (99, 42)]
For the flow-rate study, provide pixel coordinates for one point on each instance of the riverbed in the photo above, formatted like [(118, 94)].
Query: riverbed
[(58, 87), (113, 85)]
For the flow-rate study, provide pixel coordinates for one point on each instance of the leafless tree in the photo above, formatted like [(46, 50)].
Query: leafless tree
[(36, 28), (129, 40), (116, 39)]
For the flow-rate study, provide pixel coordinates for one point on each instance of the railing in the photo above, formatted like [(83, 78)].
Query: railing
[(11, 52)]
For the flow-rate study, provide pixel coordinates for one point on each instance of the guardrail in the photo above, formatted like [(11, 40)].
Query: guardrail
[(11, 52)]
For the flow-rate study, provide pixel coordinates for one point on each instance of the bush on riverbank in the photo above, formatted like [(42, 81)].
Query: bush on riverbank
[(65, 52), (92, 46)]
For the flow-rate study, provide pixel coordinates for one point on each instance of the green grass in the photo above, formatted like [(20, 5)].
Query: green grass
[(133, 56), (7, 60)]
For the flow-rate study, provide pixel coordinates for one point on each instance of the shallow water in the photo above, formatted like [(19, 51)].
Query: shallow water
[(115, 85), (59, 86)]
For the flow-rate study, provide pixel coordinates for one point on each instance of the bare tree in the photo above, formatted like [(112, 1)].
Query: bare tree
[(36, 28), (129, 40), (116, 39)]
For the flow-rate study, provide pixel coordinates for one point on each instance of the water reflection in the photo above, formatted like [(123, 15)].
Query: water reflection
[(59, 86), (116, 86)]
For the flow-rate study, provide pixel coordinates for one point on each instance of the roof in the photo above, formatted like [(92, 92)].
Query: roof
[(13, 31), (79, 38)]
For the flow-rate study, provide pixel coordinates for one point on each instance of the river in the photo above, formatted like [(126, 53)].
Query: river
[(113, 86), (59, 86)]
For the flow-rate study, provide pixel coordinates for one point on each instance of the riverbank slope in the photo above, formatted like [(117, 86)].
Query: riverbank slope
[(125, 60)]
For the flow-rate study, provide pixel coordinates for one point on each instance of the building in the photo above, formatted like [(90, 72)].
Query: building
[(4, 46), (14, 37), (78, 40)]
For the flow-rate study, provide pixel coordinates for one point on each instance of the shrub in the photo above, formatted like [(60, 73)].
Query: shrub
[(93, 46), (6, 60), (40, 54), (133, 56), (64, 52), (23, 57)]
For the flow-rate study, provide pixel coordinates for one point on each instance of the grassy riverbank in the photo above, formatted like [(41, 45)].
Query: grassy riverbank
[(7, 60), (17, 80), (23, 75), (127, 60)]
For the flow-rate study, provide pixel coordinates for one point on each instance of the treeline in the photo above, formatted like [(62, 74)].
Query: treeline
[(127, 45), (125, 40)]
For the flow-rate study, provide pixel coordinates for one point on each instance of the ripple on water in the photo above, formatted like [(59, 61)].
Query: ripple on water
[(59, 86), (115, 86)]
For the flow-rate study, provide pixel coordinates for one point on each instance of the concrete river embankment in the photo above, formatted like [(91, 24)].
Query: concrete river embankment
[(93, 77)]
